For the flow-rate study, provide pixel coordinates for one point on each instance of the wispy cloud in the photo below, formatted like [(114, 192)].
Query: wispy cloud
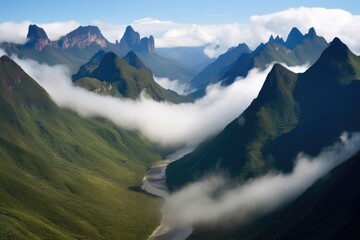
[(163, 123), (213, 200), (175, 85)]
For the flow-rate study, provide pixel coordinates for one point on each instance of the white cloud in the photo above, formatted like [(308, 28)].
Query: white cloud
[(2, 52), (55, 30), (329, 23), (16, 32), (163, 123), (240, 204), (175, 85)]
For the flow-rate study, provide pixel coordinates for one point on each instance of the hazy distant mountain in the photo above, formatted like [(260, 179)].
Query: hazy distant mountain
[(84, 37), (108, 73), (37, 38), (66, 177), (159, 65), (132, 41), (193, 57), (78, 46), (292, 113), (297, 50), (215, 71)]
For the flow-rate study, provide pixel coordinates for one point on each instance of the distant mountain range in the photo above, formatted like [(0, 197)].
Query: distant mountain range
[(78, 46), (292, 113), (298, 49), (109, 74)]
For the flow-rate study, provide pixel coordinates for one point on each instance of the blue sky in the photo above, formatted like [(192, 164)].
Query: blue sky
[(184, 11)]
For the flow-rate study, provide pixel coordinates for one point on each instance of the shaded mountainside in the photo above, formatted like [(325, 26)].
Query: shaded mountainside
[(292, 113), (78, 46), (327, 210), (110, 74), (297, 50), (65, 177), (215, 71)]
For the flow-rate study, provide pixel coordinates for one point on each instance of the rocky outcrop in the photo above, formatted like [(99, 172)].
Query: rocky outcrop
[(37, 38), (82, 37), (131, 41)]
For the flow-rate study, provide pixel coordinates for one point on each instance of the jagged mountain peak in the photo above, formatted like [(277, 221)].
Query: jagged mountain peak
[(37, 37), (277, 40), (294, 38), (131, 40), (311, 33), (84, 36), (134, 60)]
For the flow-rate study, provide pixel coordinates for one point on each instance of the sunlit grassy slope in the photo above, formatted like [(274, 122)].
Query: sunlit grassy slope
[(66, 177)]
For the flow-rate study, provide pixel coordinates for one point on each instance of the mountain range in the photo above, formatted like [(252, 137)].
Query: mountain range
[(78, 46), (298, 49), (308, 110), (63, 176)]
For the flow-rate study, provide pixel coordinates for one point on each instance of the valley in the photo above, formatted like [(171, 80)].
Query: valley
[(178, 121)]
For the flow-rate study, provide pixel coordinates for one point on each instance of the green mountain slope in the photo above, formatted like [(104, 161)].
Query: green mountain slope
[(292, 113), (327, 210), (65, 177), (123, 77)]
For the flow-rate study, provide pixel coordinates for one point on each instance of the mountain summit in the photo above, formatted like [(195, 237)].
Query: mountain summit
[(131, 41), (293, 113), (294, 38), (37, 38), (84, 36)]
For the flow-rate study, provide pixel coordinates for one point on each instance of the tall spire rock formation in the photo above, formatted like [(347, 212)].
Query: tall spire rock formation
[(37, 38), (294, 38), (131, 41), (84, 36)]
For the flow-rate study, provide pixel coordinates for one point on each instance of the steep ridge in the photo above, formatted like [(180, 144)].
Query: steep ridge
[(297, 50), (122, 77), (66, 177), (293, 113), (215, 71)]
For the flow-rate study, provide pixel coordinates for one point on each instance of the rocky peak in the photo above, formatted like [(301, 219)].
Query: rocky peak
[(131, 41), (134, 60), (84, 36), (311, 33), (294, 38), (277, 40), (37, 38)]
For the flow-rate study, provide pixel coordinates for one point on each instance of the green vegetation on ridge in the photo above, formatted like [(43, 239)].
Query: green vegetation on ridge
[(65, 177)]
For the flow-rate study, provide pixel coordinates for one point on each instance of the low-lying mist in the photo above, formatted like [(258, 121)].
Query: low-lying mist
[(212, 201), (166, 124)]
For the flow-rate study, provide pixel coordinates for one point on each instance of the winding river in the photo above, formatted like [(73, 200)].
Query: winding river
[(154, 183)]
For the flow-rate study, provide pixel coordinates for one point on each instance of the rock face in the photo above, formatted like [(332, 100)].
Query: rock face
[(37, 38), (131, 40), (84, 37)]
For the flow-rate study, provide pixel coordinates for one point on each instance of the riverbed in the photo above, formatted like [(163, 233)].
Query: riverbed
[(154, 183)]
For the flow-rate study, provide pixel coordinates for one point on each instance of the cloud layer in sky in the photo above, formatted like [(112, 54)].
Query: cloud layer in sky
[(215, 201), (329, 23), (163, 123)]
